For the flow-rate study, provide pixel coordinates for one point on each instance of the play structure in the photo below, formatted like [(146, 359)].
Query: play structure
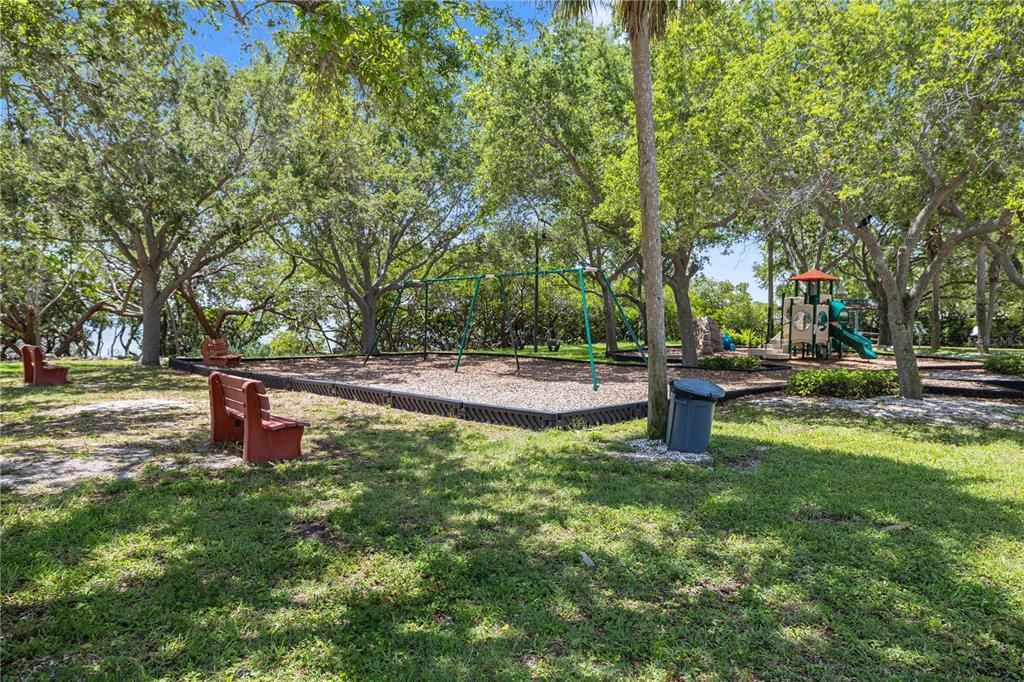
[(814, 323), (579, 271)]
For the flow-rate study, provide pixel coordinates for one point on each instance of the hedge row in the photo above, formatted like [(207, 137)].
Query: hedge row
[(729, 362), (844, 383), (1006, 363)]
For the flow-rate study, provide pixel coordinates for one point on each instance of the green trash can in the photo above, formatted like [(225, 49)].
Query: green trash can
[(690, 411)]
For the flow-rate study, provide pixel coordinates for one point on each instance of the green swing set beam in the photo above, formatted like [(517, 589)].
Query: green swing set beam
[(580, 270)]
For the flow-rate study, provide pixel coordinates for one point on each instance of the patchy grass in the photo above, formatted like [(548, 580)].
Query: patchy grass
[(406, 546)]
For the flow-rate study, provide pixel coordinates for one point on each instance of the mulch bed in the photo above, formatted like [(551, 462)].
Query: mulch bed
[(538, 385), (552, 386)]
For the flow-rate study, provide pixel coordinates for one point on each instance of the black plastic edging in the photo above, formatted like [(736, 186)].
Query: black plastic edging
[(427, 404), (752, 390), (993, 392), (447, 407)]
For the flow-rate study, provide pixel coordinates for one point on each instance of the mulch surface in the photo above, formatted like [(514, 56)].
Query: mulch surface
[(538, 385), (551, 385)]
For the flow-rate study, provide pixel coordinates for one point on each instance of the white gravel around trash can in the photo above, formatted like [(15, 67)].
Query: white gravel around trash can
[(646, 450)]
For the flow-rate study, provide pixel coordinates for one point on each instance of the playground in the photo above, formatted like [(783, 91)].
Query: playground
[(502, 340)]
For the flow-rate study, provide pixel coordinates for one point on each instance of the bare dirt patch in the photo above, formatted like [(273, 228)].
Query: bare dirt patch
[(53, 471), (749, 461), (320, 531), (144, 406)]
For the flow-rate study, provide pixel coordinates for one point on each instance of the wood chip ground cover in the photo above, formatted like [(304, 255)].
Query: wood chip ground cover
[(538, 385)]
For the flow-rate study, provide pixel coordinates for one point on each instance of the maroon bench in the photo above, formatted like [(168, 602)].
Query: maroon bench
[(240, 412), (37, 371), (215, 353)]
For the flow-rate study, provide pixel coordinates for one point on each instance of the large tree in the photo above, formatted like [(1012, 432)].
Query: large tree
[(162, 157), (915, 129), (550, 114), (374, 208)]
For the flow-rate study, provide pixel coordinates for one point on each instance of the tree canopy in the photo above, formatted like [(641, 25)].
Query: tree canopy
[(152, 197)]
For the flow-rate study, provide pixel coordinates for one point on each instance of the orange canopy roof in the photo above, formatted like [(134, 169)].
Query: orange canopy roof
[(814, 275)]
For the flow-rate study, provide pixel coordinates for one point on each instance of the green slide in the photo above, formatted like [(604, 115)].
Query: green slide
[(853, 340)]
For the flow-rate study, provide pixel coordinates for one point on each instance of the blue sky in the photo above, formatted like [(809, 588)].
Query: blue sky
[(229, 42)]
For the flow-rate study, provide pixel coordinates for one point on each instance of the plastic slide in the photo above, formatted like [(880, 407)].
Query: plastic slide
[(853, 340)]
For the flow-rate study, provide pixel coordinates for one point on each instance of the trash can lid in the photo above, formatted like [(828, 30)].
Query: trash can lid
[(698, 388)]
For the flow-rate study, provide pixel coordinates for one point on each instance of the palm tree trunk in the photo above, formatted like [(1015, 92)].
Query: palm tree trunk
[(650, 231)]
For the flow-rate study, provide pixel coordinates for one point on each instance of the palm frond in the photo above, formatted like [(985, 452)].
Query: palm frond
[(628, 15), (573, 10)]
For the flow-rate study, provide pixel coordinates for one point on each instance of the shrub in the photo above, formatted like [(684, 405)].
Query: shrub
[(844, 383), (729, 362), (286, 343), (1006, 363), (747, 337)]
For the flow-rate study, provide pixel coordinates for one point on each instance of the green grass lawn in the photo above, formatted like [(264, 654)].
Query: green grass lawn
[(414, 547)]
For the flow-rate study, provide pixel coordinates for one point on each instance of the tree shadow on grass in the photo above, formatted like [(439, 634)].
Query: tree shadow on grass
[(948, 434), (424, 549), (838, 563), (206, 562)]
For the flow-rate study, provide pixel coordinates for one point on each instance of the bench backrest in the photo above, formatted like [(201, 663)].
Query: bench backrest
[(27, 362), (237, 392), (213, 348)]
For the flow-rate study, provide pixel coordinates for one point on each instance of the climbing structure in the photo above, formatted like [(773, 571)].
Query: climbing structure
[(814, 323)]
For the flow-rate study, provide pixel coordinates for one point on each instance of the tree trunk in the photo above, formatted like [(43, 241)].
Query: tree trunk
[(981, 297), (901, 328), (197, 310), (884, 333), (76, 329), (368, 311), (650, 230), (993, 299), (935, 314), (611, 329), (27, 328), (152, 305), (933, 245), (684, 315)]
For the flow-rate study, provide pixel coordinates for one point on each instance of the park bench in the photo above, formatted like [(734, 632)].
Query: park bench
[(240, 412), (215, 353), (38, 372)]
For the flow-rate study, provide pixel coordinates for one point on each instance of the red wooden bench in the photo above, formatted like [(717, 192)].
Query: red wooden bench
[(240, 411), (38, 372), (215, 353)]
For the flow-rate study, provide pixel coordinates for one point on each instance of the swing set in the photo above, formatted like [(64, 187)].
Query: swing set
[(579, 270)]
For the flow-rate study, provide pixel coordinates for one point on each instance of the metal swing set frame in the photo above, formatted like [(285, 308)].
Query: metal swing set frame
[(425, 283)]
